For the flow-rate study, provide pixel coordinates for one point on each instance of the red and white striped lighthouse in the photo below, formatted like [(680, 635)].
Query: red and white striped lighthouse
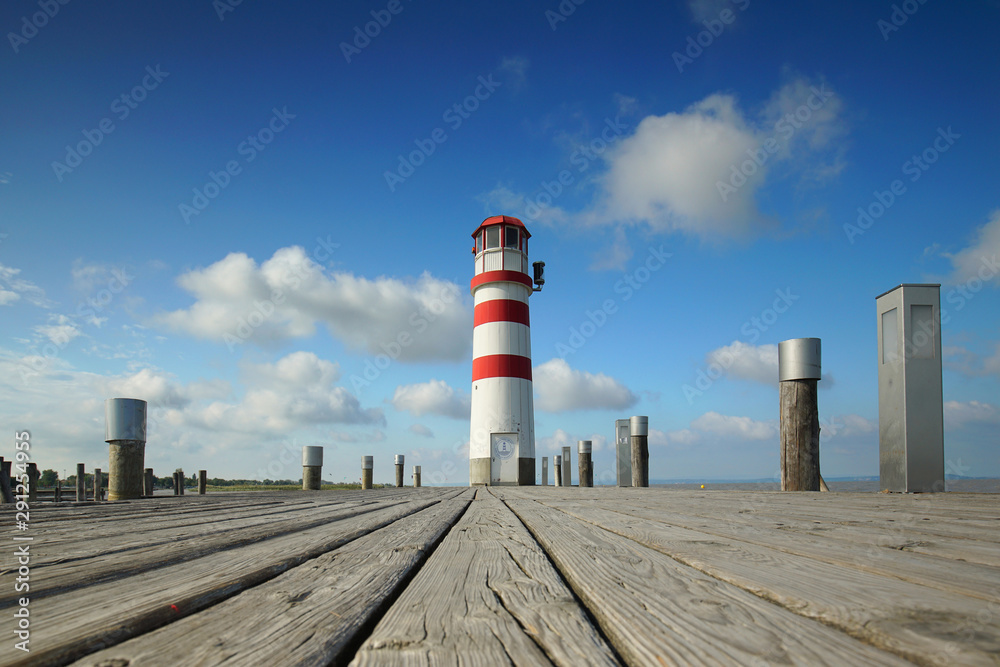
[(502, 433)]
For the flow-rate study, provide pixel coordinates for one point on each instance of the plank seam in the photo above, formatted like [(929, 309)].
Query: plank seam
[(569, 586)]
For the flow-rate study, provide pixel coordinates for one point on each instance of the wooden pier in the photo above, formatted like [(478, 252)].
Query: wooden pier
[(511, 575)]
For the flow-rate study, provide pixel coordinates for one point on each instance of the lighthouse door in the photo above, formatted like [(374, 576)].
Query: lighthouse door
[(503, 458)]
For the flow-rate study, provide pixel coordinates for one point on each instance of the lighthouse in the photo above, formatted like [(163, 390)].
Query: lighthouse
[(502, 432)]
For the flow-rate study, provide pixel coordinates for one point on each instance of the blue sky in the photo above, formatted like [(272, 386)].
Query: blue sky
[(233, 210)]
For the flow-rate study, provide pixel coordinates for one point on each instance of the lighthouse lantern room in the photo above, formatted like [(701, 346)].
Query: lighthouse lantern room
[(502, 432)]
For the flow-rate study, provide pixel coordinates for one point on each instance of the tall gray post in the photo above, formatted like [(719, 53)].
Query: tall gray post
[(367, 469), (202, 482), (545, 471), (623, 451), (98, 485), (400, 460), (81, 482), (125, 433), (584, 450), (567, 472), (799, 371), (177, 484), (312, 468), (639, 428), (557, 469), (416, 477), (181, 482), (910, 397)]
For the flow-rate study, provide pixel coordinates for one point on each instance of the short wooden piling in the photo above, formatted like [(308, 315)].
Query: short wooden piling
[(639, 428), (6, 492), (557, 469), (400, 458), (177, 490), (367, 468), (148, 483), (416, 477), (545, 471), (98, 485), (182, 480), (567, 472), (58, 494), (32, 482), (81, 482), (202, 482), (798, 374), (584, 449)]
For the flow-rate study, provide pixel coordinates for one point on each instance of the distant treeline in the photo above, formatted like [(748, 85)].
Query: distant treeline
[(48, 479)]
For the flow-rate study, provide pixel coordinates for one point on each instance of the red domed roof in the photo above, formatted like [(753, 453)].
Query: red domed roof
[(502, 220)]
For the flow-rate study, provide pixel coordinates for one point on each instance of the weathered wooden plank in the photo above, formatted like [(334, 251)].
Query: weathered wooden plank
[(109, 560), (84, 620), (888, 613), (881, 557), (487, 596), (306, 616), (657, 611)]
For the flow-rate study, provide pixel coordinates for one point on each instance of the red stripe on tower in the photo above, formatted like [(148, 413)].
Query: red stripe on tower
[(501, 310), (501, 366)]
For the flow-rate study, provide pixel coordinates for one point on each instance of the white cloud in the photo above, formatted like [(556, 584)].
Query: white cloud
[(613, 257), (435, 397), (25, 289), (728, 426), (958, 415), (979, 260), (758, 363), (421, 430), (559, 388), (681, 438), (60, 331), (560, 438), (287, 295), (7, 298)]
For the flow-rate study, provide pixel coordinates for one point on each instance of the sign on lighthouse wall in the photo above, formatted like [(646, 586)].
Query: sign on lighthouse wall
[(502, 432)]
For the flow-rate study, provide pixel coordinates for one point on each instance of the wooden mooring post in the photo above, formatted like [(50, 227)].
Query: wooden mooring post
[(639, 429), (367, 468), (147, 483), (125, 433), (98, 485), (545, 471), (400, 458), (32, 482), (202, 482), (799, 371), (416, 477), (6, 492), (312, 468), (557, 469), (81, 482), (58, 493), (584, 453)]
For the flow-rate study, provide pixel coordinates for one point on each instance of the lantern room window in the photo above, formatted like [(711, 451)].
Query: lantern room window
[(510, 237), (492, 237), (479, 242)]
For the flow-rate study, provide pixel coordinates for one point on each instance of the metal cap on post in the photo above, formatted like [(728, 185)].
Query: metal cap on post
[(799, 359), (125, 433), (312, 456), (639, 428), (799, 370)]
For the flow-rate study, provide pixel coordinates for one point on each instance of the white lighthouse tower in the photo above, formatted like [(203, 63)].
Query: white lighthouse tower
[(502, 434)]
